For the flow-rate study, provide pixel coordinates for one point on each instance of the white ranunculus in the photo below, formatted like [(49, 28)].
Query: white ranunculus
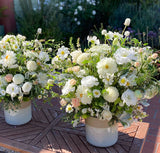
[(18, 78), (111, 94), (31, 65), (129, 97), (107, 115), (75, 55), (12, 88), (127, 22), (123, 55), (44, 56), (83, 57), (89, 81), (106, 66), (67, 88), (63, 53), (27, 86)]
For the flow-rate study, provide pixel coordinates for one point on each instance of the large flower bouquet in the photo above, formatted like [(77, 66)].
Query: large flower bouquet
[(23, 70), (110, 81)]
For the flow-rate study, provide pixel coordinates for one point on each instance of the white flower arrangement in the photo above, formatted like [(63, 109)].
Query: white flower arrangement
[(23, 69), (112, 80)]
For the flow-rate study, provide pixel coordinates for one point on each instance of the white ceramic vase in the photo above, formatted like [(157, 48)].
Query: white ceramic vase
[(20, 115), (99, 133)]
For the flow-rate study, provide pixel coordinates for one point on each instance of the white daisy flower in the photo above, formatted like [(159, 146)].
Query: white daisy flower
[(2, 92), (105, 66), (96, 93), (89, 81), (63, 52), (108, 80), (8, 59), (93, 40), (39, 96), (15, 47), (123, 81), (69, 109), (129, 97)]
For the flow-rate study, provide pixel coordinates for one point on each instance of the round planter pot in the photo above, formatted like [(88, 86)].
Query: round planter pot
[(99, 133), (20, 115)]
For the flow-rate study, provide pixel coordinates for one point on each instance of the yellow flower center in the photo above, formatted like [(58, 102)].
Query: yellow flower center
[(123, 81), (128, 84), (96, 93), (62, 52), (81, 95), (4, 47), (12, 89), (125, 55), (107, 79), (106, 66), (6, 57), (16, 47), (69, 108)]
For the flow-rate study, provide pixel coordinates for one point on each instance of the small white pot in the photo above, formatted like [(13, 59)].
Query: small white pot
[(20, 115), (99, 133)]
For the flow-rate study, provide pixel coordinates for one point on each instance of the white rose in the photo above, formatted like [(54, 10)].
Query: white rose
[(27, 87), (127, 22), (31, 65), (107, 115), (18, 78), (75, 55)]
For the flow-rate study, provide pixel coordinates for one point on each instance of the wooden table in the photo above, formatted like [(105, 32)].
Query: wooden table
[(47, 133)]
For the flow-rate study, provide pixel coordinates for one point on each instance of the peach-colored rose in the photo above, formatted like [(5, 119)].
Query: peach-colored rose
[(63, 103), (154, 55), (75, 102), (140, 50), (9, 77), (76, 69), (72, 82), (69, 69), (136, 64)]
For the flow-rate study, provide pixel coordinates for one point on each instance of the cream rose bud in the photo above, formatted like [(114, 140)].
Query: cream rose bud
[(18, 78), (137, 64), (104, 32), (127, 33), (75, 55), (27, 87), (63, 102), (107, 115), (39, 30), (127, 22), (9, 77), (31, 65), (72, 82)]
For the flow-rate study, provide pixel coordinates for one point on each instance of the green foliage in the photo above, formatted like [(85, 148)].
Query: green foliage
[(44, 17)]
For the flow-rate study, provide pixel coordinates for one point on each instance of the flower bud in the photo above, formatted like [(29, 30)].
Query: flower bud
[(39, 31), (154, 55), (137, 64), (104, 32), (127, 33), (127, 22)]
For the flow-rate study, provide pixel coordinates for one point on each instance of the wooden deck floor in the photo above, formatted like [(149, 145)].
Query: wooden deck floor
[(47, 133)]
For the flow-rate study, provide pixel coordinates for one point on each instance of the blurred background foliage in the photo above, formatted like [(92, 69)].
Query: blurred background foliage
[(61, 19)]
